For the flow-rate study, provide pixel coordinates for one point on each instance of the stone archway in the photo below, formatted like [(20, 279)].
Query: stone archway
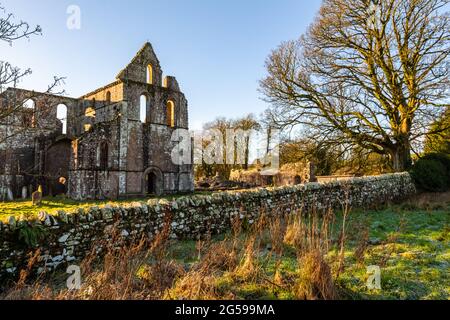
[(152, 181), (56, 166)]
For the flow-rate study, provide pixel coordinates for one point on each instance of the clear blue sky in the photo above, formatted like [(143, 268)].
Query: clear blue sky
[(215, 48)]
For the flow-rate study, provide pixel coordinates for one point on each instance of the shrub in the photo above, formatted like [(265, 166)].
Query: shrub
[(430, 175), (444, 159)]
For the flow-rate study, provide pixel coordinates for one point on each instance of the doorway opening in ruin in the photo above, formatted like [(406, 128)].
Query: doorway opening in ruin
[(104, 156), (152, 183)]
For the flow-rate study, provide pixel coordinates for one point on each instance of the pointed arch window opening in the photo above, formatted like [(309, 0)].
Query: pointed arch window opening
[(29, 114), (61, 114), (171, 113), (149, 74), (143, 108), (108, 97), (29, 104), (104, 156)]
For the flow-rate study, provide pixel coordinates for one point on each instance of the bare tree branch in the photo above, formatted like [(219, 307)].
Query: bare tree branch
[(375, 78)]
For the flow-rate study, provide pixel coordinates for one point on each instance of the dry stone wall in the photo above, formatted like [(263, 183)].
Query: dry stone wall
[(68, 238)]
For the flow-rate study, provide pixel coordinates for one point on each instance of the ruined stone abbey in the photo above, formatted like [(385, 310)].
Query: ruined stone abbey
[(114, 142)]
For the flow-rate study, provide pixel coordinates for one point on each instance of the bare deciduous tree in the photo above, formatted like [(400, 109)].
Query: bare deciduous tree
[(17, 119), (246, 123), (369, 73), (241, 140), (11, 31)]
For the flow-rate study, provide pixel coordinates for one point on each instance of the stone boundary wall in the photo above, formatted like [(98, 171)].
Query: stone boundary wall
[(68, 238)]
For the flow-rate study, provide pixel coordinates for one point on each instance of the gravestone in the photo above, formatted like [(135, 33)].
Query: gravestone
[(24, 192), (9, 195), (2, 194), (36, 197)]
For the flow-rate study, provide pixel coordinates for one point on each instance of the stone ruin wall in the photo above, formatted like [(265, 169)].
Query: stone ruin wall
[(288, 175), (70, 237), (24, 153), (133, 148)]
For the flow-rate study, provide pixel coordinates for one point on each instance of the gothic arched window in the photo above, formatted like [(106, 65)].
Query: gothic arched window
[(104, 156), (61, 114), (143, 109), (171, 113)]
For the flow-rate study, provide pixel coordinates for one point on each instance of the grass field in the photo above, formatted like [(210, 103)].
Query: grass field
[(281, 260), (411, 246), (52, 204)]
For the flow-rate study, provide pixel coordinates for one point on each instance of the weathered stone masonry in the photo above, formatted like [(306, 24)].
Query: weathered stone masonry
[(117, 142), (70, 237)]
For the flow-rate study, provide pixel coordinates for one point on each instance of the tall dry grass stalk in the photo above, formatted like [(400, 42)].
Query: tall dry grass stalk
[(311, 234), (248, 267), (315, 280), (143, 270)]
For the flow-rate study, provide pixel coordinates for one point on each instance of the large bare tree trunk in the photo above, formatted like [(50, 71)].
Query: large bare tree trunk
[(401, 157)]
